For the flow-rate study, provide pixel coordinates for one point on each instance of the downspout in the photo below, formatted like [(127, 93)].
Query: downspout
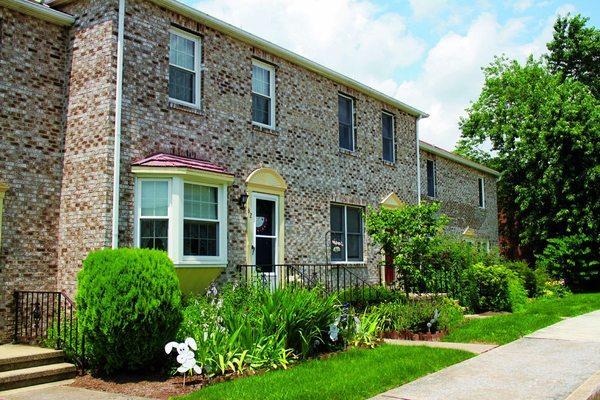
[(418, 162), (117, 138)]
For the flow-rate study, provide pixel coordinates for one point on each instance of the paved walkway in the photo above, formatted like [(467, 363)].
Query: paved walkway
[(470, 347), (65, 393), (548, 364)]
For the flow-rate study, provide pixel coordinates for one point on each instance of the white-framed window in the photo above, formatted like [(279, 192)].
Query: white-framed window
[(184, 68), (188, 219), (154, 214), (388, 137), (263, 94), (346, 120), (481, 187), (431, 179), (347, 227)]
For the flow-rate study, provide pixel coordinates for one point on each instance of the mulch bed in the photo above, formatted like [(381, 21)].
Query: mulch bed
[(152, 385), (408, 335)]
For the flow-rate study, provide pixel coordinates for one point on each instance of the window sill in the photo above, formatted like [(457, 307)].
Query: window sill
[(201, 264), (388, 163), (346, 152), (348, 263), (185, 108), (271, 130)]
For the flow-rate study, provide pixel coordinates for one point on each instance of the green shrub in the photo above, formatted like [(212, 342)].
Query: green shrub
[(493, 288), (128, 304), (361, 297), (573, 259), (533, 279), (414, 315)]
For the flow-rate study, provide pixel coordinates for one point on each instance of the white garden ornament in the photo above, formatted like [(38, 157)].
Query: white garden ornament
[(185, 356)]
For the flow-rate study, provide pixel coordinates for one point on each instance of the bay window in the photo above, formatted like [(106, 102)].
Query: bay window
[(185, 218)]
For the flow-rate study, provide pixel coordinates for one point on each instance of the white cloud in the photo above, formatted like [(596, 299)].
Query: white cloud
[(427, 8), (451, 76), (352, 37)]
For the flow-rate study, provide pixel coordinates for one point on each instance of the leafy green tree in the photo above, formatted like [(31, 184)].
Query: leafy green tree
[(575, 51), (406, 234), (545, 130)]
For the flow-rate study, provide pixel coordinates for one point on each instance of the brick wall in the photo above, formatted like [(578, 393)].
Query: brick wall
[(458, 193), (85, 210), (32, 98), (304, 149)]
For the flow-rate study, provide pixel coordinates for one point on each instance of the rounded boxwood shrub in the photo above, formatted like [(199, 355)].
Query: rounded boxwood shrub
[(493, 288), (129, 306)]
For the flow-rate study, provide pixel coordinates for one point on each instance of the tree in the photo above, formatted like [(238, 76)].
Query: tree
[(575, 51), (406, 234), (545, 129)]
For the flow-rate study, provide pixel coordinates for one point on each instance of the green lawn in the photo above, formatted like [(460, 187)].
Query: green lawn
[(536, 314), (355, 374)]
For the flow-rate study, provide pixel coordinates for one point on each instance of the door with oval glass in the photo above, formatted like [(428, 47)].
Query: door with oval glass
[(265, 224)]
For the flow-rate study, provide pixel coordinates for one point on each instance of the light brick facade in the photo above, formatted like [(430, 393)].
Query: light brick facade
[(57, 137)]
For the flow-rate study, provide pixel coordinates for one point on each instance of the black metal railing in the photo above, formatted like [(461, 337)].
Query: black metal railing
[(443, 281), (350, 281), (48, 318)]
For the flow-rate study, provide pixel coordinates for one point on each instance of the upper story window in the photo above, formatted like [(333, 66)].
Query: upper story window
[(186, 219), (184, 68), (481, 186), (387, 129), (263, 94), (346, 122), (346, 233), (431, 179)]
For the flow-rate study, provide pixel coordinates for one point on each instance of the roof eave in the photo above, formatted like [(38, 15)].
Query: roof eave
[(39, 11), (285, 54), (456, 158)]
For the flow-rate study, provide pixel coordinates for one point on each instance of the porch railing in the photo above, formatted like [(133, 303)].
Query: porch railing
[(350, 281), (48, 318)]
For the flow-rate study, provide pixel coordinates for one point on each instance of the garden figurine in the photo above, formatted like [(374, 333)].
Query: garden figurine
[(185, 356)]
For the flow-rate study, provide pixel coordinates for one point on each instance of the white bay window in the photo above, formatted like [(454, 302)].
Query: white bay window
[(188, 219)]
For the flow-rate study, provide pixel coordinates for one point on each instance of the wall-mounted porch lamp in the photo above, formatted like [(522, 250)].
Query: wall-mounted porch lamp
[(242, 200)]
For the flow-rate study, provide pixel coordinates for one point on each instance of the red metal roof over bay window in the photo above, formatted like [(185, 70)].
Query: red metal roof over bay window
[(173, 161)]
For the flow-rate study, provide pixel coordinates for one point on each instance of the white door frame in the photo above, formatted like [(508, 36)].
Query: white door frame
[(275, 199)]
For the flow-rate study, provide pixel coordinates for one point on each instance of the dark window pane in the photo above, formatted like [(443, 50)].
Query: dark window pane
[(345, 118), (181, 84), (388, 150), (265, 217), (387, 122), (354, 220), (346, 137), (430, 178), (154, 234), (261, 109), (200, 238), (355, 247), (480, 192), (265, 252), (337, 218), (338, 247)]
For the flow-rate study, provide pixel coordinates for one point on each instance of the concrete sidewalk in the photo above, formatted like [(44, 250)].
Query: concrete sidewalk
[(548, 364)]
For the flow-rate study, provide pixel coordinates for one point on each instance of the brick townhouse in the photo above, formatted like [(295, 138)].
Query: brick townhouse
[(149, 123)]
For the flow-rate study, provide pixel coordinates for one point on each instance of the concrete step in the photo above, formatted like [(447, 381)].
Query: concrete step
[(36, 375), (33, 360), (17, 356)]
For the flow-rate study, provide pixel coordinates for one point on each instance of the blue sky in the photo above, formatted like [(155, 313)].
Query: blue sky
[(428, 53)]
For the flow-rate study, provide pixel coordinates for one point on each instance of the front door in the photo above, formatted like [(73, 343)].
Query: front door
[(264, 248)]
